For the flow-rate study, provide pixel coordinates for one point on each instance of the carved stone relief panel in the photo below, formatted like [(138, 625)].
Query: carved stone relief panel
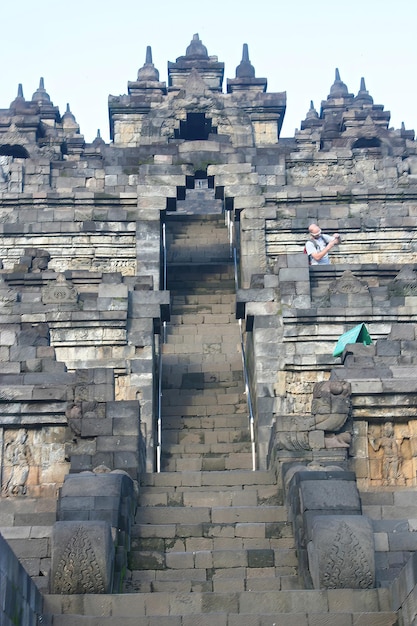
[(60, 291), (33, 461), (341, 552), (391, 457), (82, 557)]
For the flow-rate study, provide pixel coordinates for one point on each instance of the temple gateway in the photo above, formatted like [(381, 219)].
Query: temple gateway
[(196, 424)]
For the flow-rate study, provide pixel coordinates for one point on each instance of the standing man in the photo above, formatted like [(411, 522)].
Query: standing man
[(319, 245)]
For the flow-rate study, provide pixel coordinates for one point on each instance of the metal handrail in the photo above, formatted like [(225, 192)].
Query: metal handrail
[(233, 253), (162, 339)]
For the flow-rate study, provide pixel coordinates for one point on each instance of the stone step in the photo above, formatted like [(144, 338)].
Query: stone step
[(217, 462), (282, 608), (201, 308), (230, 380), (191, 354), (203, 406), (219, 268), (188, 234), (212, 395), (191, 449), (223, 580), (231, 399), (196, 250), (235, 619), (211, 422), (197, 411), (194, 272), (215, 320), (241, 479), (154, 553), (205, 570), (206, 218), (211, 515), (197, 364), (206, 347), (212, 537), (206, 437), (202, 497), (196, 239), (177, 224), (203, 299), (200, 287)]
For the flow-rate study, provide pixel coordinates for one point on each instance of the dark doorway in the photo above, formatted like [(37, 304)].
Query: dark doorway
[(196, 127)]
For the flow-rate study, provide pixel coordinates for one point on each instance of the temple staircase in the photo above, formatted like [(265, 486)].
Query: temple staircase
[(211, 544)]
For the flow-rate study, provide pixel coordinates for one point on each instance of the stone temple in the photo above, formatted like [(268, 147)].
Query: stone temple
[(196, 425)]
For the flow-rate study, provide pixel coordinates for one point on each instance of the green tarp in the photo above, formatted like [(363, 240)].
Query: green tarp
[(358, 334)]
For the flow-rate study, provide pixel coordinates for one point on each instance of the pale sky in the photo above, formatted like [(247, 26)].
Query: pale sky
[(88, 49)]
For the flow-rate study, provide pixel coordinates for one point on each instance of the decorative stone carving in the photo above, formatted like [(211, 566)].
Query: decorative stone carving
[(341, 552), (330, 406), (195, 85), (82, 558), (61, 291), (405, 283), (16, 462), (342, 440), (348, 283), (292, 440), (330, 409), (334, 540), (387, 443)]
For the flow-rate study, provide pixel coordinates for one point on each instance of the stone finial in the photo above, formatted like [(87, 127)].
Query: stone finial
[(19, 98), (196, 48), (40, 94), (98, 141), (312, 119), (245, 69), (312, 113), (148, 72), (338, 89), (68, 119), (363, 96)]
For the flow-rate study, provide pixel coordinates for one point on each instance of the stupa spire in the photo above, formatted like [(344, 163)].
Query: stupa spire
[(338, 89), (148, 72), (245, 69), (196, 48), (40, 94), (363, 96)]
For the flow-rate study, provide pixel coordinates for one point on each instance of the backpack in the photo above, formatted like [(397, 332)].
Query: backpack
[(305, 249)]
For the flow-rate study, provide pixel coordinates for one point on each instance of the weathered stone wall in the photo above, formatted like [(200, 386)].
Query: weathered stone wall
[(21, 600)]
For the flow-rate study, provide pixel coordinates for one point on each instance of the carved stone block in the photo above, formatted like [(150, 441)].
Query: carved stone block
[(341, 552), (334, 494), (82, 558)]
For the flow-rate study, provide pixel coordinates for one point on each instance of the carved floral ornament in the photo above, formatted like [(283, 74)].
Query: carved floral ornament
[(60, 291), (405, 283), (348, 283), (78, 570)]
